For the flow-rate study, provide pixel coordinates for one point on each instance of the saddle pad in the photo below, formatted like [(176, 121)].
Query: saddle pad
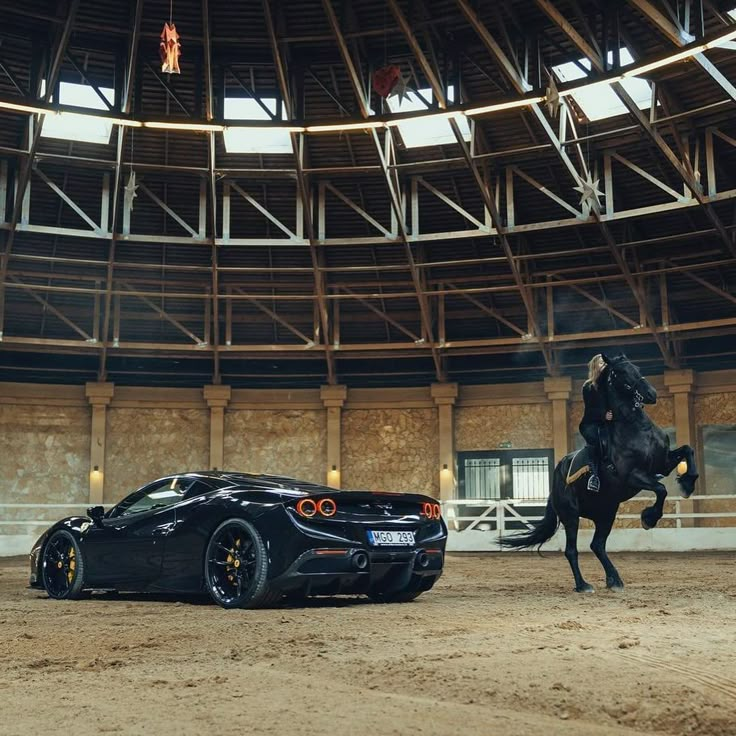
[(579, 466)]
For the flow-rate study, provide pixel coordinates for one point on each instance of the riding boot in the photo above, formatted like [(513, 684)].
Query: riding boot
[(594, 482), (604, 442)]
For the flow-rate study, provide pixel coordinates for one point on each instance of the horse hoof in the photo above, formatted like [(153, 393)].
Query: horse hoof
[(644, 525), (587, 588), (616, 587)]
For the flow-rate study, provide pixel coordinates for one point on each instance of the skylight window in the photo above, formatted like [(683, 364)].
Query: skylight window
[(72, 127), (254, 140), (417, 133), (599, 101)]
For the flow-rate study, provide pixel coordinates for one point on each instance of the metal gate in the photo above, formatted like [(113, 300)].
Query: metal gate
[(501, 474)]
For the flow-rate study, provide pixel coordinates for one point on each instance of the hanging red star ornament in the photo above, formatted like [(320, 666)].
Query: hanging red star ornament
[(401, 88), (385, 79), (170, 49)]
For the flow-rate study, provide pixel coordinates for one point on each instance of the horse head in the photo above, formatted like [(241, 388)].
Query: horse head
[(627, 380)]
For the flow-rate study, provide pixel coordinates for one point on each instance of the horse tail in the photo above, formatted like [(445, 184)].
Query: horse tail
[(543, 529)]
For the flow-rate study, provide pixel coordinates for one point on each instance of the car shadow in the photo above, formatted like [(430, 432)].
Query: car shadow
[(113, 597)]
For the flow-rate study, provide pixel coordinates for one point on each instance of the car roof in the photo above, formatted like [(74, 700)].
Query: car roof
[(260, 479)]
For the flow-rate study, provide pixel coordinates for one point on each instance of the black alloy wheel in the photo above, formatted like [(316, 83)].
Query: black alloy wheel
[(236, 566), (62, 566)]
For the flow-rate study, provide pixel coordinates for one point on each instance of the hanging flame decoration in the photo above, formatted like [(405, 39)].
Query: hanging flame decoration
[(385, 79), (170, 49)]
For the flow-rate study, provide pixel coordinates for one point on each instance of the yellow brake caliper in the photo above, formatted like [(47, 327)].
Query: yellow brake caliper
[(72, 566), (232, 561)]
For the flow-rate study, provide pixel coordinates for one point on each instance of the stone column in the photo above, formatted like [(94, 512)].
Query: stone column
[(99, 396), (444, 395), (558, 389), (217, 398), (680, 383), (333, 398)]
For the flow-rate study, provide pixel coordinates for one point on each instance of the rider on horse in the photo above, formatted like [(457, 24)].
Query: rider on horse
[(640, 451), (594, 427)]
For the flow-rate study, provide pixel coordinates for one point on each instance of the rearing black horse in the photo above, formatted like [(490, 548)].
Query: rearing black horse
[(639, 451)]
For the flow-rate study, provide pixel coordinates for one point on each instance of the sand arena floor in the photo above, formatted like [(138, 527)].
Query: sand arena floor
[(500, 646)]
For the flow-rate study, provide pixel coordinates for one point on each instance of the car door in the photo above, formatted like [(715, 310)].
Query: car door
[(127, 549), (182, 565)]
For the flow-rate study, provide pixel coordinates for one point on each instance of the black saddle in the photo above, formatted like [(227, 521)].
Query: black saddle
[(580, 465)]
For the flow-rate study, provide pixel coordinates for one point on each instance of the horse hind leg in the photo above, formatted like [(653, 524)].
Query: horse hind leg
[(571, 552), (598, 545)]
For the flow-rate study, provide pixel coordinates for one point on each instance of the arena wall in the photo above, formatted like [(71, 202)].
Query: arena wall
[(93, 444)]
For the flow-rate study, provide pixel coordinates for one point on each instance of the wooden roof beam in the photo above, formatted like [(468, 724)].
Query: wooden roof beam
[(27, 165), (125, 105), (297, 145), (392, 186)]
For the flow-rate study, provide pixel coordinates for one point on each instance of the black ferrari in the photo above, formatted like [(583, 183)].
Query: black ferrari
[(247, 540)]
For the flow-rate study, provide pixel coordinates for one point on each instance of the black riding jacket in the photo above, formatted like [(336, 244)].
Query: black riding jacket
[(596, 404)]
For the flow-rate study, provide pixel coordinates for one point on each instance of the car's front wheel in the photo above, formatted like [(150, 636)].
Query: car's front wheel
[(236, 566), (62, 566)]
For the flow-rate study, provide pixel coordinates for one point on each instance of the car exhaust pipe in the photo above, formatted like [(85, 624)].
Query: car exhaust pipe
[(360, 560), (422, 559)]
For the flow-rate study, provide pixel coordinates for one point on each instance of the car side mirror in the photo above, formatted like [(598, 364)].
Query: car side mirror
[(96, 513)]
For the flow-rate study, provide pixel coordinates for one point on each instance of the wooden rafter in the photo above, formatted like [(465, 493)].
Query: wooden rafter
[(297, 144)]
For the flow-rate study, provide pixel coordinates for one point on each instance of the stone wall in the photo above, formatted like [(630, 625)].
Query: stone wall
[(144, 444), (44, 454), (390, 450), (525, 426), (389, 438), (280, 442)]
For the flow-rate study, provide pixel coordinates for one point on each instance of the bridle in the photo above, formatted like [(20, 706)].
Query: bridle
[(633, 390)]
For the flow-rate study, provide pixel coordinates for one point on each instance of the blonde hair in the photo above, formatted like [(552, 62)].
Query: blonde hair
[(595, 368)]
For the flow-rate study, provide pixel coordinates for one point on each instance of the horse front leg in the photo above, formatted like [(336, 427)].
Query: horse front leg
[(571, 552), (598, 545), (687, 475), (645, 482)]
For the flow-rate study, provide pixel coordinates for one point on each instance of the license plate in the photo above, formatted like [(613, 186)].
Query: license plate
[(393, 538)]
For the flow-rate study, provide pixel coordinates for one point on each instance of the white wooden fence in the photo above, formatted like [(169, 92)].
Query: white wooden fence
[(476, 525)]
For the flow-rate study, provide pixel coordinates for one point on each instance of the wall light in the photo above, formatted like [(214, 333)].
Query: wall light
[(96, 469), (334, 469), (444, 466)]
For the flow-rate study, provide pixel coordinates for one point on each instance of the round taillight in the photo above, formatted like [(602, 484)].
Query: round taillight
[(436, 511), (306, 507), (327, 507), (427, 510)]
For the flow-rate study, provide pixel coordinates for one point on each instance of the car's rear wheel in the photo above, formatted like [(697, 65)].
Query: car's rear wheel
[(62, 566), (236, 566)]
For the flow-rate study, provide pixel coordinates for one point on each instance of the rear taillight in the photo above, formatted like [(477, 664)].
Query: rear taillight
[(309, 508), (306, 507), (431, 510), (327, 507)]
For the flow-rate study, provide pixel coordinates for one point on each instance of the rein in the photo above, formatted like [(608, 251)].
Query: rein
[(635, 394)]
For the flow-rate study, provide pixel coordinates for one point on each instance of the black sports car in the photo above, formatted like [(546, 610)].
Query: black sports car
[(247, 540)]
